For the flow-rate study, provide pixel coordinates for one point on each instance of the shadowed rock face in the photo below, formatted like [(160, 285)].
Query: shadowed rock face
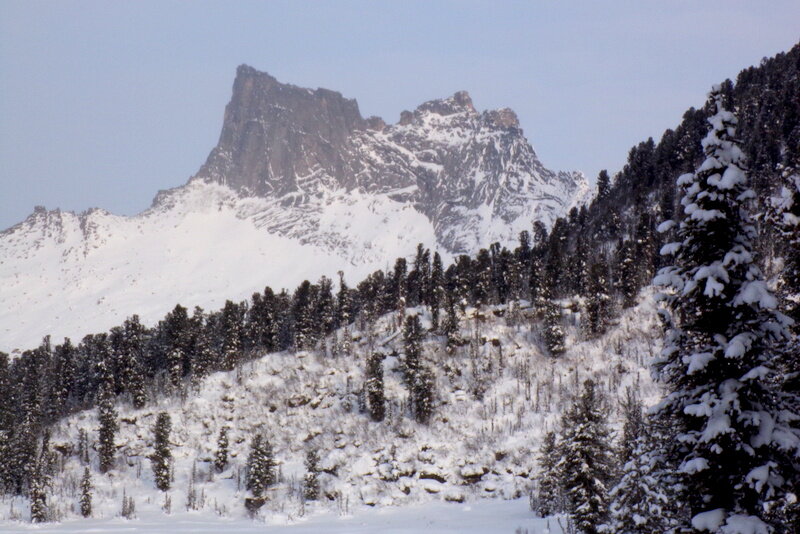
[(468, 172), (274, 134)]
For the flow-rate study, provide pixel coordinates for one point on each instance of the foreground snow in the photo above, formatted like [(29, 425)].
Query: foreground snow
[(486, 516)]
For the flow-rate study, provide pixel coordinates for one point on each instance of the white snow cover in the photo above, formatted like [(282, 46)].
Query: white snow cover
[(482, 517), (70, 275), (477, 446)]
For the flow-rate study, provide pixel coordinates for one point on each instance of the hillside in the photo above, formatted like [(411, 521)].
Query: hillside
[(495, 398)]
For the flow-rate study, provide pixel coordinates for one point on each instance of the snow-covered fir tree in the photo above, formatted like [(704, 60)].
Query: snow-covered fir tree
[(598, 300), (311, 480), (232, 336), (736, 440), (585, 466), (86, 493), (376, 399), (260, 466), (412, 337), (221, 455), (553, 332), (107, 418), (161, 459), (639, 503), (549, 497)]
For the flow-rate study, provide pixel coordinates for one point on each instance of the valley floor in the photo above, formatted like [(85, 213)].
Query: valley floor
[(482, 517)]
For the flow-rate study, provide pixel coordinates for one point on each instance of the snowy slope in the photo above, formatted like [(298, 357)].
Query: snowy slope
[(70, 275), (479, 444)]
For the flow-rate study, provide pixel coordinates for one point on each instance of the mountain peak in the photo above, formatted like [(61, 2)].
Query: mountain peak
[(460, 102), (458, 167), (274, 133)]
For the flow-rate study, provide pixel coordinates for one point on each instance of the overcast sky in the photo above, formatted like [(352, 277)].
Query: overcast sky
[(104, 103)]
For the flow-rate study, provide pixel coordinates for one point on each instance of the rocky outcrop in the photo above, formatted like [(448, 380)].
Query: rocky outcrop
[(274, 135)]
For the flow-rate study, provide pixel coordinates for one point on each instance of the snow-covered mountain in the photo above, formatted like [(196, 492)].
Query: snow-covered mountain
[(299, 185)]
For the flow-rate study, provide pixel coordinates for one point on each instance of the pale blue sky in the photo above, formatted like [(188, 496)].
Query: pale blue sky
[(104, 103)]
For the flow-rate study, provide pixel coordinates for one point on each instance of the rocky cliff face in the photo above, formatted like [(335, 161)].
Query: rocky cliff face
[(275, 135), (472, 174)]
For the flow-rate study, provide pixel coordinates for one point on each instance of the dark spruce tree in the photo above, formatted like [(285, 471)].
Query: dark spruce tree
[(735, 441), (161, 459), (107, 419), (221, 456), (585, 466), (639, 504), (86, 493), (132, 371), (549, 496), (628, 273), (376, 400), (450, 328), (598, 300), (603, 187), (311, 480), (412, 341), (436, 291), (38, 497), (422, 392), (231, 336), (553, 333), (260, 466)]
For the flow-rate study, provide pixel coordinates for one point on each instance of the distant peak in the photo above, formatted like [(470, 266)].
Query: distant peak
[(460, 102), (463, 99), (502, 118)]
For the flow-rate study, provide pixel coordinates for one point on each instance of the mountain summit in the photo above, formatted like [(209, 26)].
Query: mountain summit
[(473, 175), (300, 185)]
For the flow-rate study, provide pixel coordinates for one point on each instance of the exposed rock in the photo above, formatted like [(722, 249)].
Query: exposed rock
[(473, 175)]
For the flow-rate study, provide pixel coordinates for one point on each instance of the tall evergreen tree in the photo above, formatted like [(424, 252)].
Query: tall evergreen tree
[(598, 301), (553, 332), (549, 499), (639, 503), (633, 423), (420, 381), (376, 400), (311, 480), (107, 418), (86, 493), (161, 459), (735, 442), (628, 273), (450, 328), (260, 466), (38, 497), (221, 456), (585, 465), (133, 357), (6, 395), (204, 359), (436, 290), (603, 186), (422, 395), (343, 303), (412, 340), (231, 336)]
